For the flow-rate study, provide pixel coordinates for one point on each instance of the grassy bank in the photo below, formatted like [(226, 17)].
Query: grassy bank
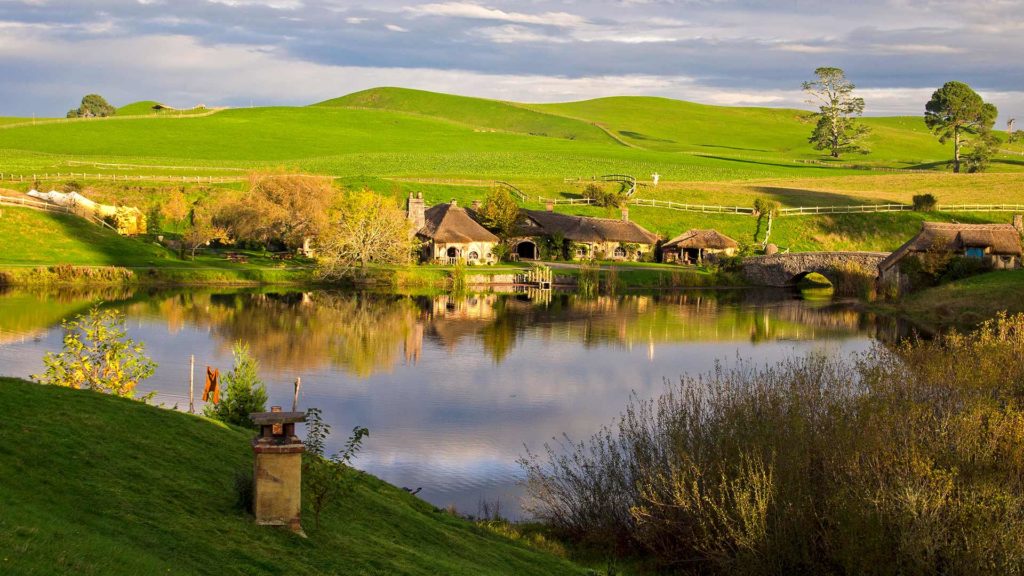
[(101, 485), (964, 303)]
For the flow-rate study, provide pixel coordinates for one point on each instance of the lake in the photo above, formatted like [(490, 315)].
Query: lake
[(451, 388)]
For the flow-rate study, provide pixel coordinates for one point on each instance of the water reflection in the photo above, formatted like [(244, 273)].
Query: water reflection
[(450, 387)]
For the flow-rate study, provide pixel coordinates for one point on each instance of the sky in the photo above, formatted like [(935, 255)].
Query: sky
[(295, 52)]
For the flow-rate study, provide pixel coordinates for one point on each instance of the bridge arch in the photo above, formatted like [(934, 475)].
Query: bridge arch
[(787, 269)]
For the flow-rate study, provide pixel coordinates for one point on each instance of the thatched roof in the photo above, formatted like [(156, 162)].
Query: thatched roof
[(585, 228), (703, 239), (452, 224), (1000, 239)]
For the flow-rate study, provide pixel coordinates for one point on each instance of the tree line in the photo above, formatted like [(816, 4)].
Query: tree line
[(955, 113)]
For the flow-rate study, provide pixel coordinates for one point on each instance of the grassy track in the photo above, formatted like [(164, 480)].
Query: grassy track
[(96, 485)]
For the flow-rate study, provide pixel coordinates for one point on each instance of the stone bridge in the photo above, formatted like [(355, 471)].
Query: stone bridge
[(788, 269)]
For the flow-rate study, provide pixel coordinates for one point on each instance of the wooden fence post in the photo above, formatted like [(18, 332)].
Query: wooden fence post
[(191, 384), (295, 397)]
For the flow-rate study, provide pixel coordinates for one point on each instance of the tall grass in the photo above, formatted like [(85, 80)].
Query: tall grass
[(903, 460)]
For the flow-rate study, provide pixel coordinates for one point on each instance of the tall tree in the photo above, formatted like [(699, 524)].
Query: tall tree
[(500, 212), (283, 207), (93, 106), (367, 228), (837, 129), (955, 111)]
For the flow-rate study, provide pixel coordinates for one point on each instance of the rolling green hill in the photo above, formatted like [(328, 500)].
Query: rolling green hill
[(147, 108), (98, 485), (477, 113), (398, 132)]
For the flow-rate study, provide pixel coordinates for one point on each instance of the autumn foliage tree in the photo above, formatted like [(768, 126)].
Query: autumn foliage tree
[(500, 212), (284, 207), (365, 227)]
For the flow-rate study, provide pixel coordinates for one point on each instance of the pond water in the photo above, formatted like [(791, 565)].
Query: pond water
[(451, 388)]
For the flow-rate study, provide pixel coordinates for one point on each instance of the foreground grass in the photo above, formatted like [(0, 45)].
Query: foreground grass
[(101, 485), (963, 303)]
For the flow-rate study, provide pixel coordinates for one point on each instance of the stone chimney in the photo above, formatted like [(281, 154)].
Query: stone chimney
[(625, 213), (454, 202), (476, 205), (1018, 223), (416, 212), (549, 206), (277, 470)]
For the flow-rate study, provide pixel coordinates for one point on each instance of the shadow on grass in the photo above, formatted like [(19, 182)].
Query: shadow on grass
[(804, 197)]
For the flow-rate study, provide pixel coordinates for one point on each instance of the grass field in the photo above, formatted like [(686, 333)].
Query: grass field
[(97, 485), (40, 239), (399, 141), (963, 303)]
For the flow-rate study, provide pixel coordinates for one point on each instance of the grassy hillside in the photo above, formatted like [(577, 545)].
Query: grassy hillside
[(733, 132), (396, 132), (101, 485), (964, 303), (146, 108), (43, 239), (479, 113)]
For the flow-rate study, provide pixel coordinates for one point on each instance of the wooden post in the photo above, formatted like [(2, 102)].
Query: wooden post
[(191, 384), (295, 397)]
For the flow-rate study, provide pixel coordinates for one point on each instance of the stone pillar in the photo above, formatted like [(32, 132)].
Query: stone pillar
[(625, 214), (277, 470)]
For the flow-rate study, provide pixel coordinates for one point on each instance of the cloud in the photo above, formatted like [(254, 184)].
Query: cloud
[(478, 12), (721, 51)]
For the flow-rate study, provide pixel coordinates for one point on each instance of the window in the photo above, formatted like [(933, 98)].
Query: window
[(581, 250), (474, 255), (620, 252)]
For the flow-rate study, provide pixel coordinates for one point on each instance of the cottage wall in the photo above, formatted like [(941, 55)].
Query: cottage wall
[(439, 251)]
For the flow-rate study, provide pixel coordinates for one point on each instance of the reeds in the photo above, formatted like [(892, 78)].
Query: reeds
[(902, 460)]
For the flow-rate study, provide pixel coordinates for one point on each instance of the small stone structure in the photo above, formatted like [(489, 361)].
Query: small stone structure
[(277, 471), (787, 269)]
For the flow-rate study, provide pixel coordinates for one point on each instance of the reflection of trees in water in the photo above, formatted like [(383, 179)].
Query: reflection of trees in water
[(302, 331)]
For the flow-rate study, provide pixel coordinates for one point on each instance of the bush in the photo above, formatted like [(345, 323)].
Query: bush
[(900, 460), (97, 355), (244, 392), (603, 197), (327, 478), (925, 203)]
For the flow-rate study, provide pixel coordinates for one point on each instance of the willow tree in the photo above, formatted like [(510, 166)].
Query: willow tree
[(957, 111), (837, 130)]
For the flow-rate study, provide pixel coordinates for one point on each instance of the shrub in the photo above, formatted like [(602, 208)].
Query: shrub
[(97, 355), (906, 459), (244, 392), (327, 478), (925, 203)]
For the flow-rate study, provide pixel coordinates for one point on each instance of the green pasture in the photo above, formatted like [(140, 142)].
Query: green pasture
[(397, 132), (100, 485)]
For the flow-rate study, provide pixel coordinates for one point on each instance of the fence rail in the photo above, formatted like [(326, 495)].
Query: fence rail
[(679, 206), (804, 210), (512, 189), (120, 177), (568, 201), (980, 207), (48, 207)]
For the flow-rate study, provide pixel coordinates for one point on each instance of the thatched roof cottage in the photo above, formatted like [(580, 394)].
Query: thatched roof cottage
[(695, 246), (589, 237), (449, 234), (998, 244)]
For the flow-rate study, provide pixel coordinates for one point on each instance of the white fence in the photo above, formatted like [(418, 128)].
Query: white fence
[(48, 207), (679, 206), (121, 177)]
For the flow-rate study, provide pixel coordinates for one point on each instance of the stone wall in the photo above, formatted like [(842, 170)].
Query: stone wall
[(786, 269)]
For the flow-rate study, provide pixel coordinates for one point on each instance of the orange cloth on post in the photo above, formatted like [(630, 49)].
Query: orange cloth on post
[(212, 385)]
